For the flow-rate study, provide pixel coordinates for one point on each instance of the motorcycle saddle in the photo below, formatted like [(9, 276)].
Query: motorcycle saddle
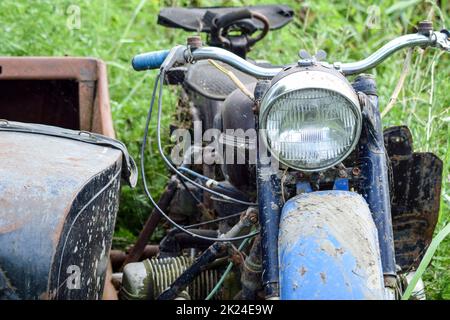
[(197, 19)]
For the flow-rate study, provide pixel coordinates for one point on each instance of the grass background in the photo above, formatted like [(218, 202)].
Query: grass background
[(115, 30)]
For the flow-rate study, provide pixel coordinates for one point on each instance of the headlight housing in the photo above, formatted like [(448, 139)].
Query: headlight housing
[(311, 119)]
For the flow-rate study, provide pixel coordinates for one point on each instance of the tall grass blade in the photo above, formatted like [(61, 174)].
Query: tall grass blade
[(426, 260)]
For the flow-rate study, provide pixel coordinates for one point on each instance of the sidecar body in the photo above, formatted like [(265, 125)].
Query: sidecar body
[(59, 184)]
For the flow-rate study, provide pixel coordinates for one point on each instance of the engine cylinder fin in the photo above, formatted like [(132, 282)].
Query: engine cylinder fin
[(146, 280)]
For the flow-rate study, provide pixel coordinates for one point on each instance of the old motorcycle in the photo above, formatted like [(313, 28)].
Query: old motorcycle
[(337, 208), (291, 188)]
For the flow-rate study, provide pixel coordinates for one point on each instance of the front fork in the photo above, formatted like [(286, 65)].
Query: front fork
[(270, 204), (374, 182), (374, 187)]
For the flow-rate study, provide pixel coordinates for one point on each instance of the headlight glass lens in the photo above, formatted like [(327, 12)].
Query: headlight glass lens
[(311, 129)]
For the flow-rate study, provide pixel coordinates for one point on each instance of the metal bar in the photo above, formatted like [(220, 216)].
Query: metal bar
[(406, 41), (117, 257), (234, 61), (176, 240)]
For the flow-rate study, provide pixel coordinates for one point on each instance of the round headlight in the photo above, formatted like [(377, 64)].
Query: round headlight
[(311, 119)]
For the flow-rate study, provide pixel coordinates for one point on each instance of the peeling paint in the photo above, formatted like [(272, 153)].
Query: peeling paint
[(41, 186)]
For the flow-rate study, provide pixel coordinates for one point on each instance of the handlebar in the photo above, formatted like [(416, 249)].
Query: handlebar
[(149, 60), (183, 55), (439, 39)]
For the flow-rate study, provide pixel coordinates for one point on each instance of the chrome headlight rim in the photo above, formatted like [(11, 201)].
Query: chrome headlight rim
[(284, 87)]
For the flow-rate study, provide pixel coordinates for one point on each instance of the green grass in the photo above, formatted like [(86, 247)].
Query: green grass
[(116, 30)]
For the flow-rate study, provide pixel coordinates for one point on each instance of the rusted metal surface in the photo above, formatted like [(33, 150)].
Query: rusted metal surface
[(89, 76), (416, 187), (58, 201), (118, 257), (109, 291)]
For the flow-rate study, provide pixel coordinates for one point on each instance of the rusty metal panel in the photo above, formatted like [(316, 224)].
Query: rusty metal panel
[(51, 68), (52, 198), (416, 180), (89, 73)]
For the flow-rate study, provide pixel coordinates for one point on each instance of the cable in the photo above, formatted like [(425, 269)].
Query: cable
[(167, 161), (213, 221), (144, 180), (225, 273), (204, 178)]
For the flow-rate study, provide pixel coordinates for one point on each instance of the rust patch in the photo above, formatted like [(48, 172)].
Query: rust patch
[(14, 225)]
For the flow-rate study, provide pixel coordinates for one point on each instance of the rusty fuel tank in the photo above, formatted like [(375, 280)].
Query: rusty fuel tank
[(59, 192)]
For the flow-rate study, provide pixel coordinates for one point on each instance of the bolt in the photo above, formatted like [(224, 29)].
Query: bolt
[(236, 259), (252, 214), (425, 27), (356, 171), (254, 218), (194, 42)]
